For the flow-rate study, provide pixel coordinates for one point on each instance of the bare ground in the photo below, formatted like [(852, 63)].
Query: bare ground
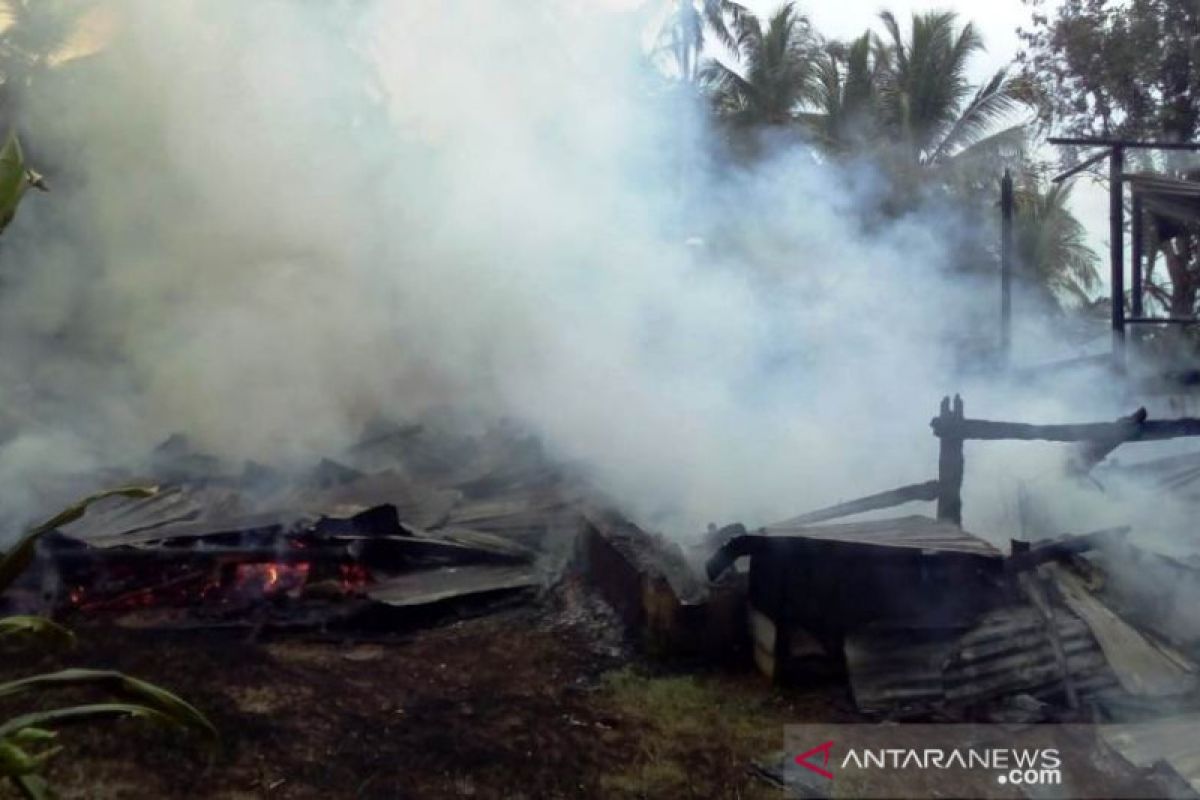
[(539, 701)]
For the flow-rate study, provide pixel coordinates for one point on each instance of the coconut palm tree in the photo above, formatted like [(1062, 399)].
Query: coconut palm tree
[(843, 114), (1050, 248), (776, 74), (927, 106), (682, 35)]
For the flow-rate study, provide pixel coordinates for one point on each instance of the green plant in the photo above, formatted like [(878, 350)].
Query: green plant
[(26, 741), (15, 179)]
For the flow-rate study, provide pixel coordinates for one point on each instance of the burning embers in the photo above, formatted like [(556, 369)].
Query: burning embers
[(180, 577), (307, 570), (347, 543)]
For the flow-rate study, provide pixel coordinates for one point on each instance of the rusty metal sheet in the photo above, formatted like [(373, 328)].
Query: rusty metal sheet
[(913, 532)]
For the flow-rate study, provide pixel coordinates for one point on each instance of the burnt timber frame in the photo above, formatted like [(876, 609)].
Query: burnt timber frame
[(953, 429), (1114, 151)]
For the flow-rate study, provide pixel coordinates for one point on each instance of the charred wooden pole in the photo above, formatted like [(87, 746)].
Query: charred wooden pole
[(1116, 213), (951, 463), (1006, 266), (1091, 452), (926, 491)]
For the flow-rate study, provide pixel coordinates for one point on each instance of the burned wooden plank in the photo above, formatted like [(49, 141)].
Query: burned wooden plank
[(450, 583), (1142, 667), (929, 490)]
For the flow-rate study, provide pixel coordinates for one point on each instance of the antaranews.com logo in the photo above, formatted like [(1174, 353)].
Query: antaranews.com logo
[(1021, 767), (873, 762)]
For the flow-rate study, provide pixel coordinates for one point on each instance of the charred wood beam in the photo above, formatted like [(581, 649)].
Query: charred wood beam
[(1090, 453), (929, 491), (724, 558), (1150, 430), (1063, 548)]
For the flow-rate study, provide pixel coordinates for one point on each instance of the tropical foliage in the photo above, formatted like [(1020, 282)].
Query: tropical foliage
[(26, 741), (1126, 69), (1050, 245), (776, 74), (682, 36)]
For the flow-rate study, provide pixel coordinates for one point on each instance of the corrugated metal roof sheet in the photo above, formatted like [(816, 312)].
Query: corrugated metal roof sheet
[(899, 668), (915, 532)]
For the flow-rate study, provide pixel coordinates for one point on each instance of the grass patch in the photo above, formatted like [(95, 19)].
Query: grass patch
[(696, 734)]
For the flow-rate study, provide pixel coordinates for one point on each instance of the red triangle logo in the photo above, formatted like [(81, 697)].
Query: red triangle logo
[(823, 749)]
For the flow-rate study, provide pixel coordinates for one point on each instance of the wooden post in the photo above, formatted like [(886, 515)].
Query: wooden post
[(1137, 256), (1006, 257), (1116, 219), (951, 463), (1137, 249)]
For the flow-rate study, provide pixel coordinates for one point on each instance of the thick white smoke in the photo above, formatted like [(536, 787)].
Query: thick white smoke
[(282, 219)]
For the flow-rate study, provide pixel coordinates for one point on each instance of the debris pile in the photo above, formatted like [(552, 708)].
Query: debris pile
[(408, 520)]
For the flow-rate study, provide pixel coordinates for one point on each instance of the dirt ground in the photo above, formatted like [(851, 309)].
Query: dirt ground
[(538, 701)]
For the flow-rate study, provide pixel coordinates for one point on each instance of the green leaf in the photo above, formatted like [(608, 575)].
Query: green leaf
[(14, 760), (12, 178), (38, 628), (32, 787), (14, 562), (86, 713), (33, 736), (157, 699)]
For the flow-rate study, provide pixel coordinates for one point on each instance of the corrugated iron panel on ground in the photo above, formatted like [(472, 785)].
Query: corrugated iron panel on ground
[(1008, 652)]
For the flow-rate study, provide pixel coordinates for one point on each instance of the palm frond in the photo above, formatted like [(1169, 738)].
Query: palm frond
[(991, 104)]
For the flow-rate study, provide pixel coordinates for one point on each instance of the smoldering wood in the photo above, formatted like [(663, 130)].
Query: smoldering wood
[(1064, 547), (386, 553), (928, 491), (1143, 667), (1150, 430), (1088, 454)]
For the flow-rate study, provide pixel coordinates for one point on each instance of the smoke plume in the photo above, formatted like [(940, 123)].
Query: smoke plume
[(275, 221)]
